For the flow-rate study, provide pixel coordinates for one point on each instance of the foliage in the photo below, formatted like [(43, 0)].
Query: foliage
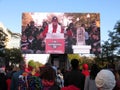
[(26, 18), (13, 55), (73, 56), (82, 18), (82, 59), (112, 45), (34, 64)]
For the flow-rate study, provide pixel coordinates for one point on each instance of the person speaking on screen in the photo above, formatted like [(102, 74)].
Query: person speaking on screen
[(53, 27)]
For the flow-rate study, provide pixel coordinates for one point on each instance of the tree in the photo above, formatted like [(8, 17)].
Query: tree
[(26, 18), (73, 56), (81, 18), (111, 47), (13, 56)]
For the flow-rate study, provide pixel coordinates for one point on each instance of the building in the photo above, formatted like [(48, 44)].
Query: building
[(12, 40), (60, 61)]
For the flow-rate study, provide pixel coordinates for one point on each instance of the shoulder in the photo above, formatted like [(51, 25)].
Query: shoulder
[(55, 87)]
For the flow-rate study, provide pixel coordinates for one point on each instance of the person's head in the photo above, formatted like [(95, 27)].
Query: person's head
[(44, 24), (105, 80), (48, 73), (38, 36), (32, 23), (30, 37), (71, 25), (55, 20), (22, 65), (93, 23), (75, 63), (93, 72), (85, 66), (24, 37), (83, 25)]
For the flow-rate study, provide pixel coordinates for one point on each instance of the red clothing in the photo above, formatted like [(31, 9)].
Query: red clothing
[(71, 87), (47, 83), (37, 74), (86, 73), (85, 70), (8, 81), (53, 31), (69, 33)]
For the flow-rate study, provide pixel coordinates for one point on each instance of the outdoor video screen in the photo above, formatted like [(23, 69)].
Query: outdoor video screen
[(60, 33)]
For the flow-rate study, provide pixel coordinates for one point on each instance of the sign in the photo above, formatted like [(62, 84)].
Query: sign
[(55, 44)]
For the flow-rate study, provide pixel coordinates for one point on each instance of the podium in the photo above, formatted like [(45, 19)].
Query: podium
[(80, 46), (55, 43), (81, 49)]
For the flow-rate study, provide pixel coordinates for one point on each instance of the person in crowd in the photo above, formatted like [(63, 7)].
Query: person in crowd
[(95, 44), (9, 75), (59, 78), (25, 44), (69, 30), (48, 76), (74, 77), (90, 80), (117, 77), (54, 27), (87, 37), (68, 44), (3, 84), (105, 80), (31, 29), (85, 70), (30, 40), (14, 82), (38, 44), (29, 81), (81, 35), (45, 24), (94, 33)]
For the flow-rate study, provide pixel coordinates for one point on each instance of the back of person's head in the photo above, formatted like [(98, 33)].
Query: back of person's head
[(85, 66), (93, 72), (74, 63), (22, 65), (82, 25), (105, 80), (48, 73)]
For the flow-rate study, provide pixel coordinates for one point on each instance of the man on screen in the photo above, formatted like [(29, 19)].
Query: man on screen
[(54, 27)]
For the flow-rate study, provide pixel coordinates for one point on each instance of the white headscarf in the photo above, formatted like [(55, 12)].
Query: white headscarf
[(105, 79)]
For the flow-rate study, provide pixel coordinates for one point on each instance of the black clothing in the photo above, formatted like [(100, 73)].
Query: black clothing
[(74, 77)]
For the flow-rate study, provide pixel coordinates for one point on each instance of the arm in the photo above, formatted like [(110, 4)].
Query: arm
[(45, 31)]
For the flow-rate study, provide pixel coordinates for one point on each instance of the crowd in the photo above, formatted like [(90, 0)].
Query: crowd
[(49, 77), (33, 38)]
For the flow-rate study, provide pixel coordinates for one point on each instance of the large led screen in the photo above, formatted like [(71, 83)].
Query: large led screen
[(60, 33)]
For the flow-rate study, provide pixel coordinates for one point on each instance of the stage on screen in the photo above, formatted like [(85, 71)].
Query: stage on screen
[(60, 33)]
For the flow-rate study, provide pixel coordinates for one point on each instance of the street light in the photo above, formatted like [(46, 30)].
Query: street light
[(77, 19), (88, 17)]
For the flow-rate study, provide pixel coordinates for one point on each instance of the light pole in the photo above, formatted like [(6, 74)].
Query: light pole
[(77, 20), (88, 17)]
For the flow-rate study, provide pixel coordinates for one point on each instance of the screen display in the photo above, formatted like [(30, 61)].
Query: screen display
[(60, 33)]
